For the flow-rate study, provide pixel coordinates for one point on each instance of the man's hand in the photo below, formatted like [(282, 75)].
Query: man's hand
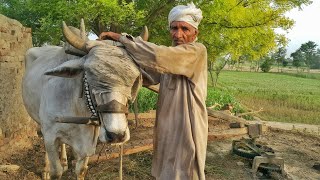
[(109, 35)]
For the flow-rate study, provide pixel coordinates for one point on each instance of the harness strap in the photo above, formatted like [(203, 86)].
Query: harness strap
[(112, 107)]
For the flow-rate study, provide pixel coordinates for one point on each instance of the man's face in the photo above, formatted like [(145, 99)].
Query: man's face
[(182, 33)]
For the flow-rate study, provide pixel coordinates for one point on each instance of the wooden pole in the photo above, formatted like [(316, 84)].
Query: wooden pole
[(137, 149)]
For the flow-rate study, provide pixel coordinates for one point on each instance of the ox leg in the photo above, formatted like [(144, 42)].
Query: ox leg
[(63, 157), (45, 173), (54, 160), (82, 167)]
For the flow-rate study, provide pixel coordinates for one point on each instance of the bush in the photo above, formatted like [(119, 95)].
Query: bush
[(216, 96), (147, 100), (266, 66)]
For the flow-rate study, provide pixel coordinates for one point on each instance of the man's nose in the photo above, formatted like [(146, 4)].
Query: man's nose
[(178, 33)]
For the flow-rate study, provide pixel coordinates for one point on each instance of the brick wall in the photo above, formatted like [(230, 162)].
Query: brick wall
[(15, 124)]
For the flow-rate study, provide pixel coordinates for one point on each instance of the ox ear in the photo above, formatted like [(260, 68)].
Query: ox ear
[(68, 69)]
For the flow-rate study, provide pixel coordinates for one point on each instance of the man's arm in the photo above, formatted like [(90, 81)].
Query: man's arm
[(109, 35), (180, 59)]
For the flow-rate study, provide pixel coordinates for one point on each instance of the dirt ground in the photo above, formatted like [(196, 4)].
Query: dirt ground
[(300, 152)]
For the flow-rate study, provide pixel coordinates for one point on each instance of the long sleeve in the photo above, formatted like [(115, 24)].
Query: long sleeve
[(181, 105), (182, 59)]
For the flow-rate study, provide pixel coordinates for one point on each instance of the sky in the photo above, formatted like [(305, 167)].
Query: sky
[(306, 28)]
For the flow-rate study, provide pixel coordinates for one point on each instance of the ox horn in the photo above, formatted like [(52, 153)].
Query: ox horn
[(145, 33), (82, 30), (73, 39)]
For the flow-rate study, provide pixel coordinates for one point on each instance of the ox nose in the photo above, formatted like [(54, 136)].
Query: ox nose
[(115, 137)]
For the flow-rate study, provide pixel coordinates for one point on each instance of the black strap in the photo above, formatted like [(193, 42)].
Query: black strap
[(112, 107)]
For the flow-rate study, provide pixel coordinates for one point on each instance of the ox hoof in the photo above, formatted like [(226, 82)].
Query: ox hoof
[(64, 168), (45, 176), (64, 165)]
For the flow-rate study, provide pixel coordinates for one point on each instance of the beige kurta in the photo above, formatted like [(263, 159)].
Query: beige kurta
[(181, 129)]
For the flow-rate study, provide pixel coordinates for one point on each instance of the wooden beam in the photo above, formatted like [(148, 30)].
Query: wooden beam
[(228, 133), (219, 135), (225, 116), (97, 158)]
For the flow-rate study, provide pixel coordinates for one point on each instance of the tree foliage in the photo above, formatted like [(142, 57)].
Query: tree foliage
[(316, 60), (297, 58), (308, 51), (245, 27), (307, 55), (45, 16), (280, 56), (266, 64), (230, 27)]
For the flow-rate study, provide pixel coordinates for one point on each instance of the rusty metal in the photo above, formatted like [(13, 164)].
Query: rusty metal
[(268, 162), (255, 130), (263, 156)]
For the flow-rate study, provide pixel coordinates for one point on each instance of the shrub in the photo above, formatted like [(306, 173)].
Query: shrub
[(266, 66), (147, 100), (216, 96)]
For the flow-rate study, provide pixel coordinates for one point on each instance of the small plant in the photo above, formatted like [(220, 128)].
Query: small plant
[(220, 98), (266, 65)]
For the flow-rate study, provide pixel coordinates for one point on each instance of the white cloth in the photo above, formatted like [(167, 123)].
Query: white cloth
[(181, 127), (189, 14)]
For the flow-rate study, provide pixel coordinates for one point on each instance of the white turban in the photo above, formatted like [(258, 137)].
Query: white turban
[(189, 14)]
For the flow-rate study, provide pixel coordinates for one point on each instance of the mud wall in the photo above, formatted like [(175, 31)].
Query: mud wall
[(15, 124)]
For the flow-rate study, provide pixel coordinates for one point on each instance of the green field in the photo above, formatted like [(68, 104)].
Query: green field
[(283, 97)]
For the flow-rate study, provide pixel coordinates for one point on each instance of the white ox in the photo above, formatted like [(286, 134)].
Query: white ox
[(113, 79)]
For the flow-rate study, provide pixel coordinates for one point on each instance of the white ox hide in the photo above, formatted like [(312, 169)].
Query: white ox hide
[(49, 98)]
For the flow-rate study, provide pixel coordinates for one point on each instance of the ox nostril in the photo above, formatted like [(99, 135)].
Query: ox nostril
[(115, 137), (110, 136)]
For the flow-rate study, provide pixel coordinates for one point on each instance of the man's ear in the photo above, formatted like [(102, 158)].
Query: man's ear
[(196, 32)]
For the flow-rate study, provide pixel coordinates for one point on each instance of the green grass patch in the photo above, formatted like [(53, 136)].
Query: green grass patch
[(217, 96), (147, 100), (283, 98), (303, 75)]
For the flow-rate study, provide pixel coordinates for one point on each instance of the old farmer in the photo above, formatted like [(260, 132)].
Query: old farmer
[(181, 129)]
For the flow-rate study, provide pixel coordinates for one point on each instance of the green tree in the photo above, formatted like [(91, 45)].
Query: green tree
[(316, 60), (45, 16), (219, 64), (280, 56), (235, 27), (244, 27), (285, 62), (308, 51), (297, 59), (266, 64)]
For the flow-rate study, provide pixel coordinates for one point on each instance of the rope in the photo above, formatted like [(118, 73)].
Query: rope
[(120, 160)]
